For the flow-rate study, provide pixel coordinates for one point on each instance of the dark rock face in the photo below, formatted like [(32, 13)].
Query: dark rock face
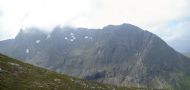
[(95, 76), (121, 55)]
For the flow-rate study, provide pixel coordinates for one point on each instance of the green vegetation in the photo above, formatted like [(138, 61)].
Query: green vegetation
[(15, 75)]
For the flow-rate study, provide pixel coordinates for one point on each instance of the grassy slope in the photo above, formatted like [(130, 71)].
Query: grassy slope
[(15, 75)]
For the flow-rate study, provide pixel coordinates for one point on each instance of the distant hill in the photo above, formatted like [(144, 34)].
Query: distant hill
[(122, 55), (15, 75), (187, 54)]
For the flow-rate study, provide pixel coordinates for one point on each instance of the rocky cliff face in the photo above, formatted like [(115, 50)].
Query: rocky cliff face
[(122, 55)]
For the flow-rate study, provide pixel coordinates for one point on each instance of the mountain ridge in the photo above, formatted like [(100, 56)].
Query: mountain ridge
[(122, 55)]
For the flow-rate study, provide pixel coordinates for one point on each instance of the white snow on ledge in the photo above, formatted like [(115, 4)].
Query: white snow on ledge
[(66, 38), (48, 36), (86, 37), (37, 41), (71, 34), (27, 50)]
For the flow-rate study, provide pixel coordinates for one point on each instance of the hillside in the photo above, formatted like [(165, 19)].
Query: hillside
[(15, 75), (123, 55)]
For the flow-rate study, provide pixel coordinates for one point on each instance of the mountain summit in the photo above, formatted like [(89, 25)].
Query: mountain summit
[(123, 55)]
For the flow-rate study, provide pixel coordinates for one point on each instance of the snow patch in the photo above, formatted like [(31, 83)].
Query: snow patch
[(86, 37), (72, 34), (27, 50), (48, 36), (72, 37), (37, 41), (66, 38)]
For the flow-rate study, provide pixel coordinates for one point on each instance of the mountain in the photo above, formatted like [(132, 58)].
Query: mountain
[(187, 54), (21, 76), (122, 55)]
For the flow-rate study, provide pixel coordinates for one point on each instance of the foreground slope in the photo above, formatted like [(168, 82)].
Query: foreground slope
[(15, 75), (123, 55)]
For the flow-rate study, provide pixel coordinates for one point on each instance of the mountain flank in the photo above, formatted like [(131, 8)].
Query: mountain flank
[(123, 55)]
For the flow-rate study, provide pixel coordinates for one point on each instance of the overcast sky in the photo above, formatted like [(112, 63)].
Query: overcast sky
[(169, 19)]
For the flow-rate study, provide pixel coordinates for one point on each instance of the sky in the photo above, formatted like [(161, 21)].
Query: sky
[(169, 19)]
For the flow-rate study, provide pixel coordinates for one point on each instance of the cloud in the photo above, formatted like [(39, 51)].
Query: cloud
[(40, 13), (169, 19), (1, 13), (90, 13), (176, 33), (137, 12), (182, 41)]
